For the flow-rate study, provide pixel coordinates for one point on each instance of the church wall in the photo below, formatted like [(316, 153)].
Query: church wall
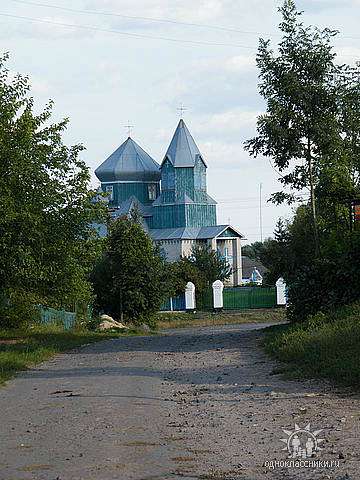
[(198, 215), (168, 182), (171, 249), (184, 182), (169, 216), (186, 247), (122, 191), (200, 175)]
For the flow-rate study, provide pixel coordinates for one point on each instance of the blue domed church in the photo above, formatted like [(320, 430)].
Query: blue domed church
[(172, 198)]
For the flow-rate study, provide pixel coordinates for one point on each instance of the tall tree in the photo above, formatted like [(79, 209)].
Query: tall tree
[(46, 241), (300, 127), (130, 280)]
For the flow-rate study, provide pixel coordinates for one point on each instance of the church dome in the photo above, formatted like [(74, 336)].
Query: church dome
[(129, 162)]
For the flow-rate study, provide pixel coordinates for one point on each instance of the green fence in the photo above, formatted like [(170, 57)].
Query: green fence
[(239, 298), (50, 316)]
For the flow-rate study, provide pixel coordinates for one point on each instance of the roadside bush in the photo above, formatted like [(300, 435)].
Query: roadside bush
[(324, 285), (17, 309), (326, 345)]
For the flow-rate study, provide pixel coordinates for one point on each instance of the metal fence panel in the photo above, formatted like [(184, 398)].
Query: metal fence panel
[(176, 304), (50, 316), (239, 298)]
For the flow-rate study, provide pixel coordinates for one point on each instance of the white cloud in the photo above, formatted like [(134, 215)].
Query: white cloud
[(231, 121), (348, 54)]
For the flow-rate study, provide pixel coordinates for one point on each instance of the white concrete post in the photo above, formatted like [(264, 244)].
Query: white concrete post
[(280, 292), (218, 288), (190, 296)]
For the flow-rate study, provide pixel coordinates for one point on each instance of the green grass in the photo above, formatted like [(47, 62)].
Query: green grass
[(21, 349), (325, 346), (203, 319)]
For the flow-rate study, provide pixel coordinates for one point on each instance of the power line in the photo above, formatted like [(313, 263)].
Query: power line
[(135, 35), (159, 20), (148, 19)]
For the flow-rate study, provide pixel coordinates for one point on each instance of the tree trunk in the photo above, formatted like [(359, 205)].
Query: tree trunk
[(312, 199), (121, 308)]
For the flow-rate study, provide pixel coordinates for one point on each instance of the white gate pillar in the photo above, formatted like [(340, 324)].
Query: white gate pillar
[(190, 296), (218, 288), (280, 292)]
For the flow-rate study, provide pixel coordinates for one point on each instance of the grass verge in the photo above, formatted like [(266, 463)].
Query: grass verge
[(325, 346), (204, 319), (21, 349)]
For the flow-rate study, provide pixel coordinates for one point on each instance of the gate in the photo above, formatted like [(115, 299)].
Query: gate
[(238, 298)]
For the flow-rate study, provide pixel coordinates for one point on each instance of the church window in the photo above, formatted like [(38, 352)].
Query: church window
[(167, 176), (152, 191), (110, 190)]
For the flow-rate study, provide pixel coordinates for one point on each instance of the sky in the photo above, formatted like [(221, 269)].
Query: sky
[(107, 63)]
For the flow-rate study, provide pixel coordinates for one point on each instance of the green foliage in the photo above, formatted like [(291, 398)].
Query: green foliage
[(315, 284), (326, 345), (271, 253), (130, 279), (210, 263), (252, 250), (326, 283), (311, 132), (46, 242), (182, 272), (300, 122), (311, 126)]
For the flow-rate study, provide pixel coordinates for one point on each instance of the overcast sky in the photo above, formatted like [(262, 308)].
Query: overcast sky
[(101, 79)]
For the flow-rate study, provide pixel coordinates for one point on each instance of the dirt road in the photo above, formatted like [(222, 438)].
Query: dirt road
[(190, 404)]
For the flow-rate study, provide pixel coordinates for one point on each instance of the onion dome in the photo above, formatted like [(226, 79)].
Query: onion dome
[(129, 163)]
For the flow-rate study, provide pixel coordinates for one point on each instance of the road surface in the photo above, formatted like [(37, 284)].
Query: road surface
[(198, 403)]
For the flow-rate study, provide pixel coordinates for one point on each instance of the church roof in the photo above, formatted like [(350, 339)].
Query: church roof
[(192, 233), (132, 202), (182, 151), (129, 162)]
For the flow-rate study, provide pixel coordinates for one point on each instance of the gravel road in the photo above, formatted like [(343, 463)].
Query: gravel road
[(199, 403)]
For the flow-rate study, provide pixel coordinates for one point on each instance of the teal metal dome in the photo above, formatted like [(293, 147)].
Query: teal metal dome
[(129, 163)]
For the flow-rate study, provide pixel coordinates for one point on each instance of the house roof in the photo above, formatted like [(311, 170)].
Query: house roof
[(129, 162), (248, 265), (191, 233), (182, 151)]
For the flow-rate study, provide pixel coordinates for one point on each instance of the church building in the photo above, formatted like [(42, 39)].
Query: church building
[(172, 198)]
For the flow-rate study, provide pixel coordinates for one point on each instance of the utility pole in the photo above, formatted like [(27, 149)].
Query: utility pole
[(260, 213)]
